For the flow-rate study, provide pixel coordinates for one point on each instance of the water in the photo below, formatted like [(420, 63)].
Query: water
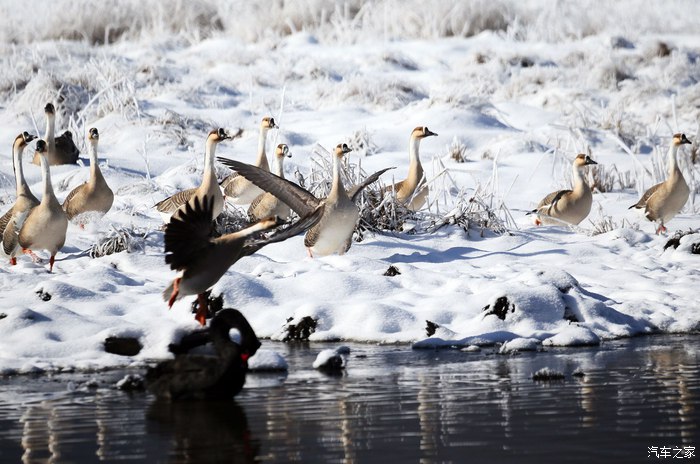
[(391, 405)]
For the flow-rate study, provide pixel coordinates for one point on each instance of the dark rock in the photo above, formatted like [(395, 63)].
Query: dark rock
[(500, 308), (131, 382), (44, 296), (300, 331), (546, 374), (3, 315), (578, 373), (392, 271), (674, 241), (569, 315), (123, 346), (430, 328)]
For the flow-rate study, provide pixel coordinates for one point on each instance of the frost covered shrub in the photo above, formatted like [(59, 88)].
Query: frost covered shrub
[(331, 20), (118, 240)]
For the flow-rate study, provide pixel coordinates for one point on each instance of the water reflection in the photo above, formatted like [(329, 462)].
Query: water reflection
[(203, 431), (392, 405)]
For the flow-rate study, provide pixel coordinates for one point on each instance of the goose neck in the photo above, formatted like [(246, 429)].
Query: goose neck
[(94, 166), (21, 183), (261, 160), (337, 185), (46, 176), (672, 161), (51, 132)]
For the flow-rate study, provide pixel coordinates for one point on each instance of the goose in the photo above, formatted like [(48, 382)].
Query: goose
[(412, 191), (266, 204), (339, 214), (24, 202), (209, 185), (200, 376), (93, 195), (201, 259), (567, 206), (663, 201), (61, 149), (45, 225), (238, 189)]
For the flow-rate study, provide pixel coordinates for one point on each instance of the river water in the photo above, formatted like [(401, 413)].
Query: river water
[(635, 400)]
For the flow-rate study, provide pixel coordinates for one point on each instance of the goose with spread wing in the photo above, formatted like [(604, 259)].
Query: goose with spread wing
[(202, 260), (339, 213)]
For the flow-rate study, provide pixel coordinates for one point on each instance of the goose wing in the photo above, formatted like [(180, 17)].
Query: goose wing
[(642, 203), (299, 199), (251, 246), (550, 200), (188, 234), (10, 237), (5, 219), (355, 191), (70, 204), (173, 202)]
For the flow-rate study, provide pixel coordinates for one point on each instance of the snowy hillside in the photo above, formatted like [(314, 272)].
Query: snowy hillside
[(514, 92)]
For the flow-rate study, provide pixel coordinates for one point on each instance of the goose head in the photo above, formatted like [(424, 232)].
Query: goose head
[(680, 139), (218, 135), (341, 150), (228, 319), (49, 109), (23, 139), (93, 135), (582, 160), (268, 122), (41, 148), (422, 132), (282, 151)]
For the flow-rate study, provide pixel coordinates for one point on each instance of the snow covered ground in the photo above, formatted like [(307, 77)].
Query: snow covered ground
[(515, 92)]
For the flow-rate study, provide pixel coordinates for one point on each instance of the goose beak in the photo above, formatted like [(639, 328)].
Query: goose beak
[(428, 133), (590, 161), (684, 139)]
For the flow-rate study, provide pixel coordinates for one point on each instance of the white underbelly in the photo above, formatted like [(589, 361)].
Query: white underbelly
[(336, 233)]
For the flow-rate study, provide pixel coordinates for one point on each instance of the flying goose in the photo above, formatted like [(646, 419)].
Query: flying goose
[(45, 225), (93, 195), (663, 201), (567, 206), (209, 185), (238, 189), (333, 232), (24, 202), (200, 376), (412, 191), (61, 149), (202, 260), (266, 204)]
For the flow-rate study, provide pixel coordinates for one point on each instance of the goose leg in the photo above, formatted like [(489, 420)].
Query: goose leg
[(201, 315), (35, 258), (661, 229), (13, 261), (308, 250), (176, 291), (51, 261)]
